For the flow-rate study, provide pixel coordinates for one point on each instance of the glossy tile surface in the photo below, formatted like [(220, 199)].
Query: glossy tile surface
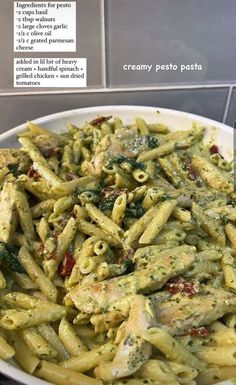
[(15, 110), (231, 116), (171, 31), (88, 43)]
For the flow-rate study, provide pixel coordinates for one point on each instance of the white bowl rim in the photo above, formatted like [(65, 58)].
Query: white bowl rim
[(6, 368), (10, 371), (117, 108)]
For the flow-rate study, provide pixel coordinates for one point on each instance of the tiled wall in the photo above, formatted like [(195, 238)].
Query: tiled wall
[(114, 33)]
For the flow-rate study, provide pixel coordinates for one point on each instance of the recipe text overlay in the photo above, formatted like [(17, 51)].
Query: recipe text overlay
[(50, 72), (44, 26)]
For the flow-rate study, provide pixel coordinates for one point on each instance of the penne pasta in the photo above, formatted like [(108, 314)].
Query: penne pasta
[(71, 341), (158, 222), (6, 350), (172, 349), (51, 336), (15, 319), (23, 355), (91, 359), (104, 222), (58, 375), (218, 355), (37, 275), (37, 344)]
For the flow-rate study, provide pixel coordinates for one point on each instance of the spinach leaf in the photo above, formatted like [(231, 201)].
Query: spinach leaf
[(8, 253), (152, 141), (14, 169), (165, 197), (128, 266), (107, 203), (134, 210), (120, 159)]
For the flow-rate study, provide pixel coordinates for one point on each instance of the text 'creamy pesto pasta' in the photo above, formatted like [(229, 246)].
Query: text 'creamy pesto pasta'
[(117, 255)]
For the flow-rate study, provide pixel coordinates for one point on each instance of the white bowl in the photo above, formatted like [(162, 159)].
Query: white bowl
[(218, 133)]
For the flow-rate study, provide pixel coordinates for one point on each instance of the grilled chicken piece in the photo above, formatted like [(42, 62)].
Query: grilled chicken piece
[(101, 296), (124, 142), (48, 145), (133, 350), (14, 157), (149, 254), (181, 312), (212, 175), (8, 217), (101, 155)]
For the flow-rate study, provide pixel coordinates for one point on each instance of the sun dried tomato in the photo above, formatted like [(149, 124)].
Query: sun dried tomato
[(197, 332), (126, 259), (55, 234), (188, 167), (63, 221), (40, 249), (100, 120), (214, 149), (48, 152), (127, 255), (53, 256), (66, 265), (71, 176), (109, 191), (32, 173), (180, 285)]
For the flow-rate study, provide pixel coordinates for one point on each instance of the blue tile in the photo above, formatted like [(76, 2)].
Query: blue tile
[(170, 31), (206, 102)]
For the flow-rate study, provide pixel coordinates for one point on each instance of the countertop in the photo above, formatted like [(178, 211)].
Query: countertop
[(7, 381)]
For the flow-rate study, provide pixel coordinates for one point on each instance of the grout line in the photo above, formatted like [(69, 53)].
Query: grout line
[(103, 43), (118, 89), (227, 103)]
